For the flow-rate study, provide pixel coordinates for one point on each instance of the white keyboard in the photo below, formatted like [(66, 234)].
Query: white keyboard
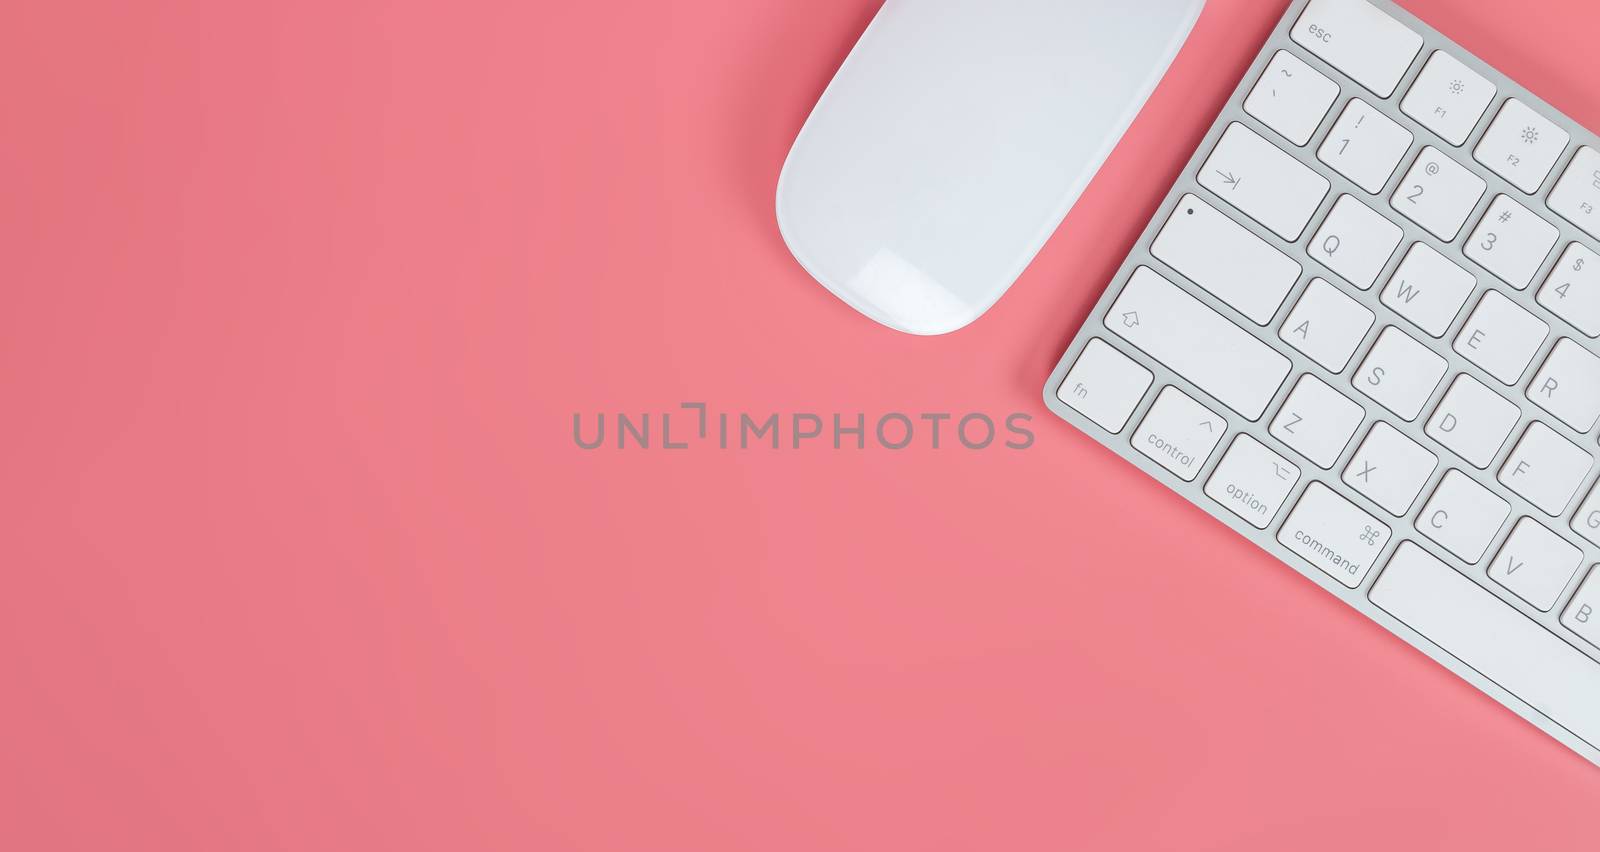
[(1361, 331)]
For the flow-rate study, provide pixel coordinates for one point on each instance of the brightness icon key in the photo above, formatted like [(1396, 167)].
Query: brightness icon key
[(1448, 98), (1522, 146)]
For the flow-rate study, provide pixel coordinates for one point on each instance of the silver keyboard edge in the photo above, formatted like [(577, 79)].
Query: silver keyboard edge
[(1404, 529)]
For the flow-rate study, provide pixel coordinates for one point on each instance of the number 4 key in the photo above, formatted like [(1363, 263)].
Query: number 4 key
[(1572, 291)]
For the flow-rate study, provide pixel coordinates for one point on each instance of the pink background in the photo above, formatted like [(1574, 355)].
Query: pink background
[(299, 301)]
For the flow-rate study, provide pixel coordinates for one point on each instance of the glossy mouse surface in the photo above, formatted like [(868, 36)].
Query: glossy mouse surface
[(954, 139)]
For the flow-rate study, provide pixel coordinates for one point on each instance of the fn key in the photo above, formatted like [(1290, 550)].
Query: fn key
[(1105, 386)]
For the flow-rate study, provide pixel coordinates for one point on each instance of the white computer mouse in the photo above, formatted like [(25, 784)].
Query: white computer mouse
[(955, 138)]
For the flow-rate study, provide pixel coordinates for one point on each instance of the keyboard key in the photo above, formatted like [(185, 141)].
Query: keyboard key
[(1568, 385), (1355, 242), (1501, 337), (1226, 260), (1473, 421), (1583, 614), (1438, 194), (1429, 289), (1291, 97), (1317, 421), (1448, 98), (1399, 373), (1179, 433), (1197, 343), (1535, 564), (1522, 146), (1545, 468), (1266, 184), (1511, 242), (1252, 481), (1366, 44), (1469, 623), (1365, 146), (1326, 325), (1577, 195), (1463, 516), (1390, 469), (1334, 535), (1572, 291), (1587, 521), (1105, 386)]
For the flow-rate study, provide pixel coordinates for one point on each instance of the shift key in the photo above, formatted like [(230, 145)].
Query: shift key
[(1198, 343)]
